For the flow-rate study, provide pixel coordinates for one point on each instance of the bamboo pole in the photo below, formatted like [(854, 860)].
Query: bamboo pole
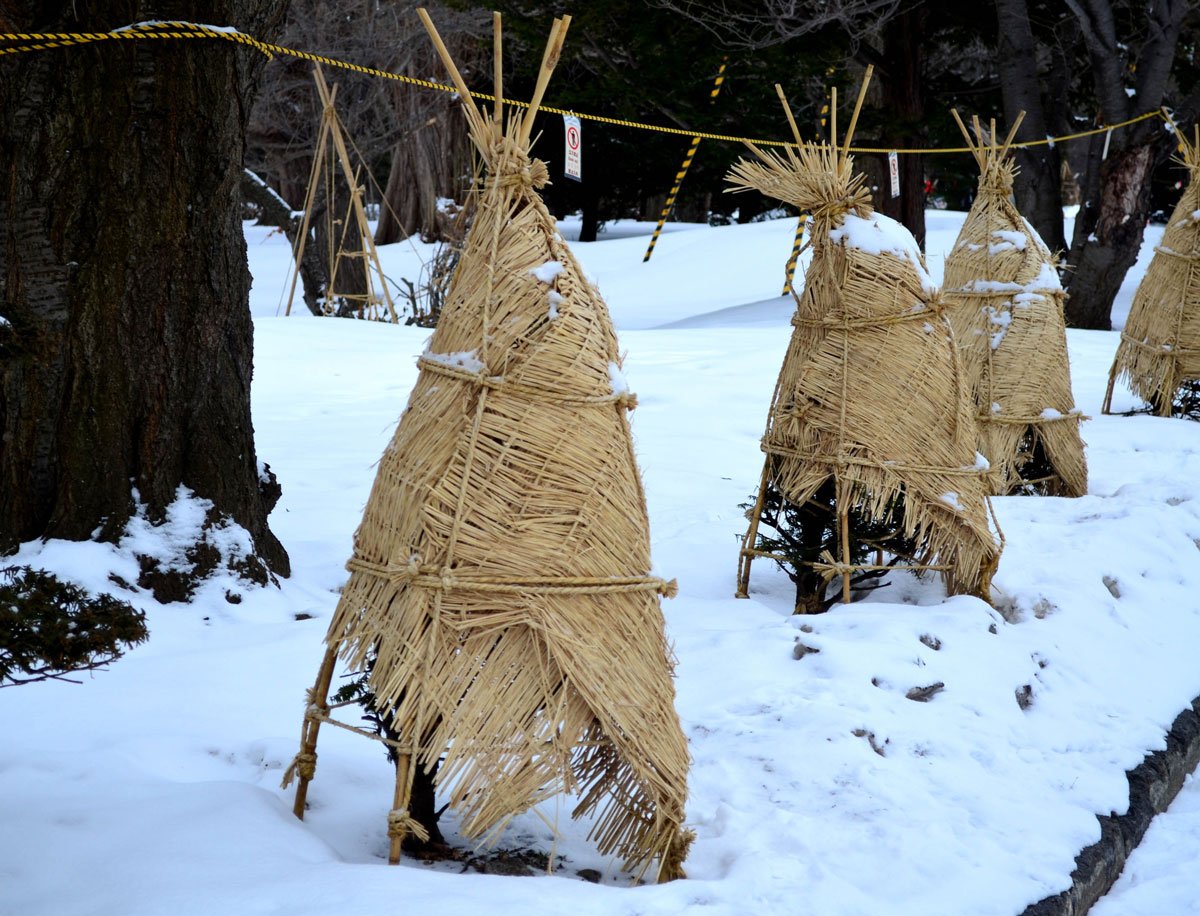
[(309, 199), (369, 253), (400, 801), (308, 738), (558, 34), (787, 110), (469, 106), (498, 70), (833, 117), (746, 556), (844, 529), (862, 95)]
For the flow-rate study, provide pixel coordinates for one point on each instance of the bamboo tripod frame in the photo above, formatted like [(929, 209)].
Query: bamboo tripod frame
[(748, 551), (376, 301)]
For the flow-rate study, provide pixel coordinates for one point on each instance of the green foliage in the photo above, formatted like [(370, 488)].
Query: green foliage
[(800, 535), (50, 628)]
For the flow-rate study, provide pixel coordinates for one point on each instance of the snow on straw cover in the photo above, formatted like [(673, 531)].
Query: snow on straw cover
[(871, 391), (1160, 344), (1005, 302), (503, 559)]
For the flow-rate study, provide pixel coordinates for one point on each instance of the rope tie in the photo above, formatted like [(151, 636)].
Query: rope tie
[(446, 579), (1175, 349), (895, 467), (400, 824), (303, 765), (40, 41), (532, 175), (988, 417), (626, 399), (873, 321)]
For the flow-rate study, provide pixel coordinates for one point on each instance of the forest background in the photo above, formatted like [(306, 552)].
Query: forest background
[(1070, 65)]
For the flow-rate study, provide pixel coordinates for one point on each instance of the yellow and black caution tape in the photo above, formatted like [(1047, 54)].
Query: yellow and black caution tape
[(43, 41), (683, 169)]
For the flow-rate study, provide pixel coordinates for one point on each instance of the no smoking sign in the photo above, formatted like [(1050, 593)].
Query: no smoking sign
[(572, 166)]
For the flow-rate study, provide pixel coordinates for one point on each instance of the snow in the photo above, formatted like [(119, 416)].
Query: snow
[(467, 360), (546, 273), (878, 234), (168, 540), (1008, 240), (817, 784), (620, 385)]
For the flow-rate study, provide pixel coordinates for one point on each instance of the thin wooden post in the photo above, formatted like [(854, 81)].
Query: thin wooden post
[(312, 726), (746, 555), (401, 799), (310, 199)]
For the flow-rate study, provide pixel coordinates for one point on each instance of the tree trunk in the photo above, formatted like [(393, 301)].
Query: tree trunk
[(274, 211), (902, 85), (1038, 184), (432, 160), (1108, 231), (125, 368), (1116, 188)]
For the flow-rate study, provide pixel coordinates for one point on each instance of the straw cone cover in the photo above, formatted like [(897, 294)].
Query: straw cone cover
[(1160, 345), (1004, 300), (500, 584), (871, 391)]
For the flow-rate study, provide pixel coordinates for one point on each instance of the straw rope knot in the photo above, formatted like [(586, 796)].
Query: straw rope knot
[(400, 575), (304, 765), (400, 824), (628, 400), (998, 178), (669, 589), (513, 169)]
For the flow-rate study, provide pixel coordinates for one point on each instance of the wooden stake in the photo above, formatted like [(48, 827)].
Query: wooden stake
[(967, 135), (558, 34), (498, 70), (787, 110), (844, 529), (745, 558), (833, 117), (400, 801), (862, 94), (309, 199), (1106, 408), (308, 740), (1012, 132), (469, 106)]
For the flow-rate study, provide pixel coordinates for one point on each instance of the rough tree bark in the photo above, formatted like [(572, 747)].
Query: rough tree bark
[(901, 83), (1116, 189), (125, 358), (1038, 185)]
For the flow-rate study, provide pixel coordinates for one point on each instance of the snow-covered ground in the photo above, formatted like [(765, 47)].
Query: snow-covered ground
[(816, 786)]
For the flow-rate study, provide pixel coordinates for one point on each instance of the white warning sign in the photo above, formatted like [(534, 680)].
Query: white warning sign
[(572, 167), (894, 171)]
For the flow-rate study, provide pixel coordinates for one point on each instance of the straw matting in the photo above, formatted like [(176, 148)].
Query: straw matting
[(1160, 345), (500, 576), (1004, 299), (871, 392)]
